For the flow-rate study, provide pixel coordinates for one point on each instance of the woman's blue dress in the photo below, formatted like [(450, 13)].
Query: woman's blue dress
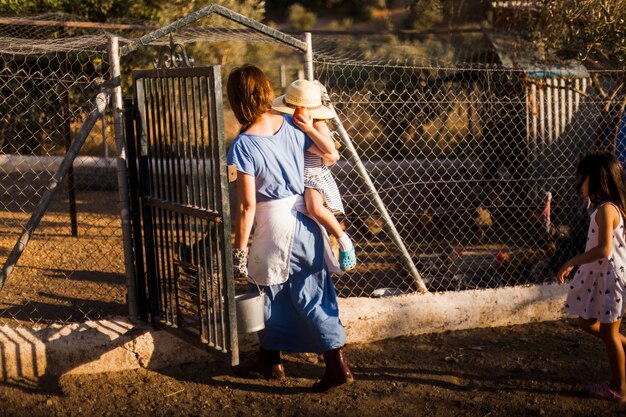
[(301, 314)]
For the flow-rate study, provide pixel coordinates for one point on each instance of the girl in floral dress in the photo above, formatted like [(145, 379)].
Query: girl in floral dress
[(596, 293)]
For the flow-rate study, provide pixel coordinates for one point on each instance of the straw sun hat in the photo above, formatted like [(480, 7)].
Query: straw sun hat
[(303, 93)]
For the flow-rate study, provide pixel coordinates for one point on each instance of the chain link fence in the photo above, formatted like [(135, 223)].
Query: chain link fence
[(51, 69), (73, 267), (474, 163)]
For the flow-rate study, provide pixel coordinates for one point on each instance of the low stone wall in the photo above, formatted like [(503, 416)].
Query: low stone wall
[(369, 319), (119, 344), (90, 173)]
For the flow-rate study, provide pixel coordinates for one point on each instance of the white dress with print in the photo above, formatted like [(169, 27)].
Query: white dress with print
[(597, 288)]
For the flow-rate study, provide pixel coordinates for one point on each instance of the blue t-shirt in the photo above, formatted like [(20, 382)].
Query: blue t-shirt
[(275, 161)]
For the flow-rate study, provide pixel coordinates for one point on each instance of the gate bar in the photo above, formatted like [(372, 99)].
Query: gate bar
[(146, 184), (98, 108), (122, 180), (133, 185), (232, 343), (362, 171)]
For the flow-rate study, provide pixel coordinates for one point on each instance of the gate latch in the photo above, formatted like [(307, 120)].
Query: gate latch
[(232, 173)]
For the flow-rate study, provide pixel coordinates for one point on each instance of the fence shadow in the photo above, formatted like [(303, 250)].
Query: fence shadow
[(82, 275), (34, 360), (65, 310)]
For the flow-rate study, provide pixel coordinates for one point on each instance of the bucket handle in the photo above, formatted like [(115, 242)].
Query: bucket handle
[(261, 292)]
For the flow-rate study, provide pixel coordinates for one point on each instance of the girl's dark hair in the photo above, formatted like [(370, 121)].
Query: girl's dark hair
[(250, 94), (606, 179)]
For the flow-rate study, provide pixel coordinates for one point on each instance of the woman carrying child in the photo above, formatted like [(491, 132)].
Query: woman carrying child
[(289, 253)]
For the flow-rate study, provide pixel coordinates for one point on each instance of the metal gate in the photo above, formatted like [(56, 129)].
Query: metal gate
[(179, 199)]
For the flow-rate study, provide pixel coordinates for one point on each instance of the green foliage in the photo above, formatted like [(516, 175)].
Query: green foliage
[(223, 52), (160, 11), (424, 14), (390, 48), (175, 9), (335, 9), (22, 7), (93, 10), (300, 18), (593, 31), (345, 24), (32, 119), (38, 105)]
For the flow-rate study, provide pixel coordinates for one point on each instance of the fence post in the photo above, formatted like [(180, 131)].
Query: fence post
[(283, 79), (355, 161), (67, 115), (122, 179), (308, 57)]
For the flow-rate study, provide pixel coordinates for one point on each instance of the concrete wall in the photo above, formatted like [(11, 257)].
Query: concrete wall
[(28, 354), (369, 319)]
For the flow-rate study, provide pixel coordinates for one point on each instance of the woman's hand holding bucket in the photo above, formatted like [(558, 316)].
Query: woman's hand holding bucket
[(240, 263)]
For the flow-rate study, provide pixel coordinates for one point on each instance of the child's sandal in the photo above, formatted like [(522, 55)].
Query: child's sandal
[(604, 392), (347, 259)]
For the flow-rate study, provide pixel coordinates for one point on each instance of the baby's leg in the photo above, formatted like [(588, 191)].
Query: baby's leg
[(315, 206)]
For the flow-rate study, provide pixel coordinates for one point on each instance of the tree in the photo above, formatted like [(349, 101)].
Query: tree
[(160, 11), (174, 9), (424, 13), (300, 18), (32, 113), (594, 32), (590, 30), (92, 10)]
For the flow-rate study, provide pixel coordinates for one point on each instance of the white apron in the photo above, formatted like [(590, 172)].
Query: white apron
[(274, 228)]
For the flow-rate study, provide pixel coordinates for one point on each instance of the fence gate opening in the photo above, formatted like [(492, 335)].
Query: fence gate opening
[(184, 241)]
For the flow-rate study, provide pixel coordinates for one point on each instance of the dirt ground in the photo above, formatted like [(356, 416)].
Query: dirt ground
[(538, 369)]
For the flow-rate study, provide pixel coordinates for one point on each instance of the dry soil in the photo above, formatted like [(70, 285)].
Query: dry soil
[(538, 369)]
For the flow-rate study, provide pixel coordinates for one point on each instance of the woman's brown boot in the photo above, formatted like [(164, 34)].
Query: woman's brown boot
[(336, 373), (268, 366)]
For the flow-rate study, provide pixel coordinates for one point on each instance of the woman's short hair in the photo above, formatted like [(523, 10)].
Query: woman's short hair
[(250, 94)]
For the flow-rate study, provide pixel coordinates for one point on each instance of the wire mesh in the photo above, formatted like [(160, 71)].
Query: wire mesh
[(474, 162), (73, 267), (475, 166), (51, 68)]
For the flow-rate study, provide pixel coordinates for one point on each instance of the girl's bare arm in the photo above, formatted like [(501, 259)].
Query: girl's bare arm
[(607, 219), (319, 133), (329, 158)]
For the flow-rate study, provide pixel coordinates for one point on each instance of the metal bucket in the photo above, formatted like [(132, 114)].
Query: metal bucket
[(250, 312)]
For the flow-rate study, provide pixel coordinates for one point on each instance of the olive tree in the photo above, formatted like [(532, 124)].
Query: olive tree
[(594, 32)]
